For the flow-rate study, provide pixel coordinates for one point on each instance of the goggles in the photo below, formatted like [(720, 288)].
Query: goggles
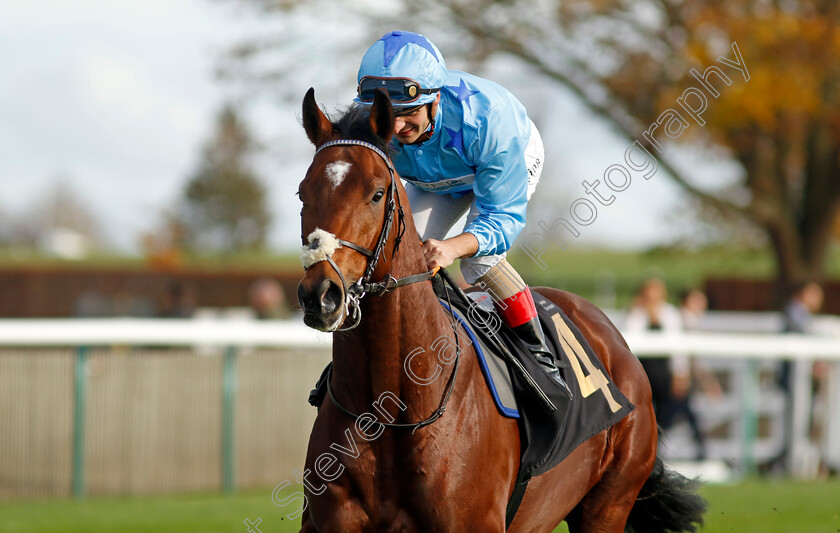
[(400, 90)]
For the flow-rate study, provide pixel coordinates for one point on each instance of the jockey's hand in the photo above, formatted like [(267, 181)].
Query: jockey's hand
[(444, 253), (438, 253)]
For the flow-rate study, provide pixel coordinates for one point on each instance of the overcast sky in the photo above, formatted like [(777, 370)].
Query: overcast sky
[(117, 98)]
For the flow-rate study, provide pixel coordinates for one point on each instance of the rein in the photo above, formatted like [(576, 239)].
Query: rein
[(364, 285), (435, 415)]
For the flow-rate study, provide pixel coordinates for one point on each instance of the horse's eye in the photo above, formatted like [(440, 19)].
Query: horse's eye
[(378, 196)]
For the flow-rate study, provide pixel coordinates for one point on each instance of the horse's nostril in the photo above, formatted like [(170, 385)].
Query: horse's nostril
[(305, 297), (324, 299), (330, 296)]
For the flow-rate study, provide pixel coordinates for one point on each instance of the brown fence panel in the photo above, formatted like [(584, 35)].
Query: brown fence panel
[(273, 420), (153, 419), (761, 295), (36, 423), (69, 292), (153, 422)]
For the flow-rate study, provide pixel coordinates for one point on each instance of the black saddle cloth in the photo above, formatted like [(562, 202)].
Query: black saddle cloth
[(549, 437)]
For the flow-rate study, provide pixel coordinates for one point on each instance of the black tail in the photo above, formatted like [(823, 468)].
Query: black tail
[(667, 503)]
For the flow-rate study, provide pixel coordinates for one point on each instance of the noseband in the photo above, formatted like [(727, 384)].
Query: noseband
[(355, 292)]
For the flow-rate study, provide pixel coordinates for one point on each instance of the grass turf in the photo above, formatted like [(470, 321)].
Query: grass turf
[(750, 507)]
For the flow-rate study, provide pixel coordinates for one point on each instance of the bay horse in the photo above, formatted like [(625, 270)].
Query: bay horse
[(382, 454)]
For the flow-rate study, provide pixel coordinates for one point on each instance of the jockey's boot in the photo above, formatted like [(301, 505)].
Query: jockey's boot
[(531, 334), (515, 305)]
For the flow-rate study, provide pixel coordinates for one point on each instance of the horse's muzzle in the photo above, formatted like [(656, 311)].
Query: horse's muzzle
[(323, 304)]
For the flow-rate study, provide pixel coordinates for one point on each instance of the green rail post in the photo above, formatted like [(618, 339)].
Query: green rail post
[(80, 394), (228, 407), (750, 391)]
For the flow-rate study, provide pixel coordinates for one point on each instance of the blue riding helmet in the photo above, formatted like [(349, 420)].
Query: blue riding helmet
[(407, 65)]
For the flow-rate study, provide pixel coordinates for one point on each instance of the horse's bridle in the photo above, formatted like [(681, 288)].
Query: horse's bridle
[(364, 286), (355, 292)]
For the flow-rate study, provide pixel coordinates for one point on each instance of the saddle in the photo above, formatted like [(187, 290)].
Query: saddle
[(547, 437)]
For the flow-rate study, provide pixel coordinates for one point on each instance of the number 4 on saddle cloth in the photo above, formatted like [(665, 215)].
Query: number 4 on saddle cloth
[(546, 437)]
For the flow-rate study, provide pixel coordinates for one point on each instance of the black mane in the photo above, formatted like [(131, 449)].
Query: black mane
[(355, 124)]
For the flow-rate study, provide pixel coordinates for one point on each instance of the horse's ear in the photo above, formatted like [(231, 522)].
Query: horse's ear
[(382, 116), (318, 127)]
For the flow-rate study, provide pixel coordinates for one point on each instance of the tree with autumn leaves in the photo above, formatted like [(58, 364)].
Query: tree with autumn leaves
[(631, 60), (783, 126)]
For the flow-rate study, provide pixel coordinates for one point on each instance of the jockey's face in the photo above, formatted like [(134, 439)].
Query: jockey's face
[(409, 128)]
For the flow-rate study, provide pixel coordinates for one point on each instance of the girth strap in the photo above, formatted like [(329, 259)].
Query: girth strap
[(519, 489)]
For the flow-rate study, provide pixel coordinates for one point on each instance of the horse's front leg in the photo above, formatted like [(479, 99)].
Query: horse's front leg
[(334, 511), (492, 522), (306, 525)]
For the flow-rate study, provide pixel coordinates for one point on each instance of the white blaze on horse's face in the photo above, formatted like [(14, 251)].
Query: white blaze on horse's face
[(336, 172)]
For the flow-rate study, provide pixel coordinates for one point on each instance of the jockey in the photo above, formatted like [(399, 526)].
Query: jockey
[(462, 143)]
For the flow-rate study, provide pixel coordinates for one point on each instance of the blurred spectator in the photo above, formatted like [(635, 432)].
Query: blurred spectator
[(178, 302), (693, 305), (670, 376), (806, 300), (266, 298)]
